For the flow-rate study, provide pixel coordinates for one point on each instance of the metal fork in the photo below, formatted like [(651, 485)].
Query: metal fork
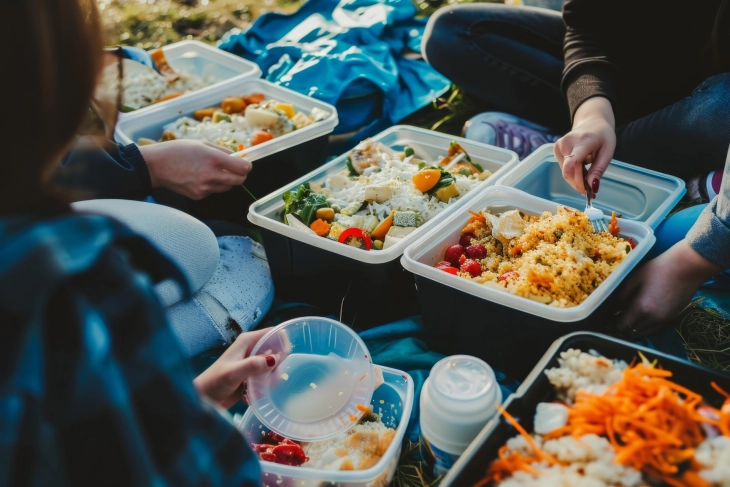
[(594, 214)]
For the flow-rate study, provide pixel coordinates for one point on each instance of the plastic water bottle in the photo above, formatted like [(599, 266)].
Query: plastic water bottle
[(458, 398)]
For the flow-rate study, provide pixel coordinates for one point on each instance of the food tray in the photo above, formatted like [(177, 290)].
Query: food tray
[(277, 161), (323, 272), (634, 192), (397, 396), (200, 59), (502, 328), (472, 465)]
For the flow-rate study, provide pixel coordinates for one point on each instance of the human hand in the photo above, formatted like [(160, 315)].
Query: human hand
[(661, 289), (223, 381), (194, 168), (591, 141)]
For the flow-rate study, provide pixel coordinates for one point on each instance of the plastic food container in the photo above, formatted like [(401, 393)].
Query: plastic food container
[(394, 399), (323, 372), (277, 161), (631, 191), (472, 465), (502, 328), (365, 287), (458, 398), (195, 57)]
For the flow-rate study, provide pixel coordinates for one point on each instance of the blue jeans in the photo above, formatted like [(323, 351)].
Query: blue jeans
[(511, 58)]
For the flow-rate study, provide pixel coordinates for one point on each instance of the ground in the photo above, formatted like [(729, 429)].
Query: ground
[(153, 23)]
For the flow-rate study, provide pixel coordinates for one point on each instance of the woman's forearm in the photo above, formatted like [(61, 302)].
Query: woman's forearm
[(592, 109)]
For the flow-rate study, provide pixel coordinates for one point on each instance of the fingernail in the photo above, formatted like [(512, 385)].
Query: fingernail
[(595, 184), (270, 361)]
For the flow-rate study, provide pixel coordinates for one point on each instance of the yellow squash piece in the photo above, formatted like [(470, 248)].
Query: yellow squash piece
[(286, 108), (448, 192)]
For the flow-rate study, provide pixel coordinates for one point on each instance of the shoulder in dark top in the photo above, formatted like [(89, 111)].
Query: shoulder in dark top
[(642, 55)]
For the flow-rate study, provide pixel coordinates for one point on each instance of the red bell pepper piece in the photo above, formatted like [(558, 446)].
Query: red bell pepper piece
[(356, 233)]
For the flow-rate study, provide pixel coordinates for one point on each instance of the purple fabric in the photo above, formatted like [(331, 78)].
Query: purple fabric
[(518, 138)]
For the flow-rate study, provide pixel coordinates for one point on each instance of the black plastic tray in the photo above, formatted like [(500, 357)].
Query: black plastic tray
[(509, 340), (472, 465), (347, 288)]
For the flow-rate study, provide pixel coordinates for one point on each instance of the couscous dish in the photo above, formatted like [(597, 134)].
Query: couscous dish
[(555, 259)]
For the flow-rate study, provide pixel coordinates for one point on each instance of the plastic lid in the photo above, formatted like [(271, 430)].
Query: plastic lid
[(323, 373), (463, 384)]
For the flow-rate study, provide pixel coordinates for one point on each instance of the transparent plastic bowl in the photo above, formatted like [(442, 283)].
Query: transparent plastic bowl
[(393, 399), (323, 372)]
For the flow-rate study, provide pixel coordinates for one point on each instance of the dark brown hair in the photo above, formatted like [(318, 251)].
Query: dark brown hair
[(51, 60)]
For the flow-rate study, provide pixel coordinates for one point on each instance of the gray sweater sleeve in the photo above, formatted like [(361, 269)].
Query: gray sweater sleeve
[(710, 235)]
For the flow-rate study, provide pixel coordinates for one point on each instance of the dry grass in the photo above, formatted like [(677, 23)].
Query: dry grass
[(154, 23)]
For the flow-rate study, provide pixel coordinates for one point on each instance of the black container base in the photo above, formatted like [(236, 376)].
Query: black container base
[(508, 340), (360, 295)]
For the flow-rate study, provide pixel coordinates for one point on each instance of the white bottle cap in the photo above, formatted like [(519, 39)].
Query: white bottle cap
[(457, 400)]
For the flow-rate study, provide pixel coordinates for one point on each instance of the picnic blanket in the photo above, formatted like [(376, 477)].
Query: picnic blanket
[(348, 53)]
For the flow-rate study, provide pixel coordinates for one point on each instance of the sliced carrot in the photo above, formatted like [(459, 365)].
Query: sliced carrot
[(233, 104), (613, 225), (363, 408), (241, 147), (168, 97), (158, 56), (426, 179), (478, 217), (382, 229), (260, 137), (320, 227), (254, 99), (204, 112)]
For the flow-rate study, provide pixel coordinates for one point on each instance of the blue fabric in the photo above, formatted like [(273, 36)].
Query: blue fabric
[(349, 54), (94, 388), (139, 55)]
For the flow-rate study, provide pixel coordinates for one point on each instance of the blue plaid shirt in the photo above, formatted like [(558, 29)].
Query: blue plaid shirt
[(94, 389)]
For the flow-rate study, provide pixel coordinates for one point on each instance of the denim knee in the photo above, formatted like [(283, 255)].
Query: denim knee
[(712, 108), (439, 37)]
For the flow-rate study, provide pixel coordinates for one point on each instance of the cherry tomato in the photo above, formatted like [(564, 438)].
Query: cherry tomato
[(443, 263), (465, 239), (449, 270), (453, 254), (472, 267), (289, 455), (476, 251), (632, 243)]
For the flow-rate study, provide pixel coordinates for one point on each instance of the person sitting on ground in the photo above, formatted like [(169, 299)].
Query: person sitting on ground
[(654, 295), (195, 169), (644, 82), (95, 388)]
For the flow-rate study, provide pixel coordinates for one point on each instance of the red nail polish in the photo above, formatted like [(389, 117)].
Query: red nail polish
[(270, 361), (595, 185)]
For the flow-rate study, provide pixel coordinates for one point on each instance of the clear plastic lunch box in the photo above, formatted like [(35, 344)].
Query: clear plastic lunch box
[(631, 191), (373, 285), (394, 399), (276, 162), (502, 328), (200, 59)]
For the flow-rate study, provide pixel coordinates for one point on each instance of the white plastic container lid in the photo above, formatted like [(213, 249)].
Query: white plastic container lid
[(427, 144), (323, 372), (459, 398), (149, 123), (631, 191), (198, 58), (420, 257)]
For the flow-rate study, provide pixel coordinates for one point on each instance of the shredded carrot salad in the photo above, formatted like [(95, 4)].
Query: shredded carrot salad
[(652, 423)]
